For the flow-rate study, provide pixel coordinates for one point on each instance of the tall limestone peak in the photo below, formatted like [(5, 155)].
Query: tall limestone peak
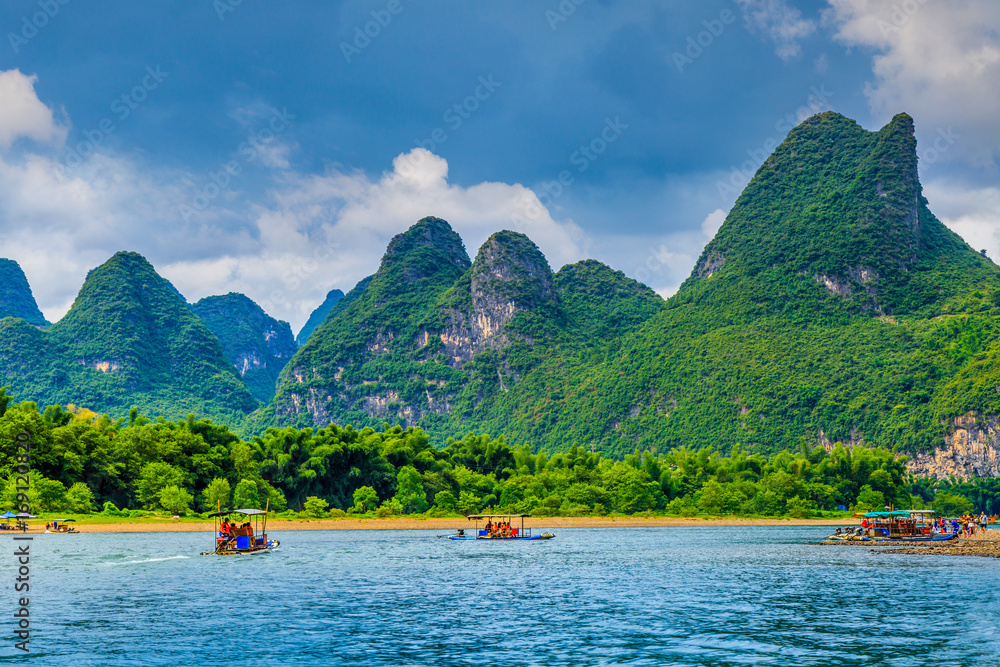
[(381, 318), (317, 316), (510, 266), (16, 299), (840, 208), (510, 275), (255, 343), (415, 253)]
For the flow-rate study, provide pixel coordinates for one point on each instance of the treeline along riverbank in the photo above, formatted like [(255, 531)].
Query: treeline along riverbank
[(87, 462)]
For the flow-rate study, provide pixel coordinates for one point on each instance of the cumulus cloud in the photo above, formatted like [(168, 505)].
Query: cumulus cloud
[(780, 22), (321, 231), (22, 114), (712, 222), (939, 61), (284, 245), (662, 261)]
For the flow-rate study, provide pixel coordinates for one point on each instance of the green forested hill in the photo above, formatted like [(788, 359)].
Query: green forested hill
[(435, 340), (255, 343), (129, 340), (831, 305), (16, 299)]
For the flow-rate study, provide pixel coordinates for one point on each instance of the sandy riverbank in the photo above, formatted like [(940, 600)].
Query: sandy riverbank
[(411, 523)]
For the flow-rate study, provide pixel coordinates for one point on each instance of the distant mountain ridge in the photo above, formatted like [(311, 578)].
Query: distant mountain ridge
[(317, 316), (434, 339), (16, 299), (831, 305), (255, 343)]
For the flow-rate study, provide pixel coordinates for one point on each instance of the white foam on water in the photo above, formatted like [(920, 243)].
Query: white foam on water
[(147, 560)]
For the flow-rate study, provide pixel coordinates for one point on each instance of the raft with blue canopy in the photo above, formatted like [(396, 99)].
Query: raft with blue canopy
[(902, 526), (501, 530), (242, 540)]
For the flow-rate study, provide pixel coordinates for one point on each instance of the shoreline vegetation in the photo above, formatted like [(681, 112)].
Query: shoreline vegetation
[(97, 469)]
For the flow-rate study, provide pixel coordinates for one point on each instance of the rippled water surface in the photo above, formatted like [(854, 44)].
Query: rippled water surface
[(657, 596)]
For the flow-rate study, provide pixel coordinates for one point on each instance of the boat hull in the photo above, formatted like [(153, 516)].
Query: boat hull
[(928, 538), (271, 546), (502, 539)]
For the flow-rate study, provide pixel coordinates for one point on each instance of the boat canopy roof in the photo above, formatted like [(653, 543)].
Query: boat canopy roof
[(496, 516), (248, 512), (885, 515)]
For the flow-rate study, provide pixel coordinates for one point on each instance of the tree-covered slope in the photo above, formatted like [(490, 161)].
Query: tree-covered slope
[(16, 299), (130, 339), (255, 343), (831, 305), (372, 331), (317, 316), (840, 208), (436, 341)]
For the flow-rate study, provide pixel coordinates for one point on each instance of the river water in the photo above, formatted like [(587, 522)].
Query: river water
[(636, 596)]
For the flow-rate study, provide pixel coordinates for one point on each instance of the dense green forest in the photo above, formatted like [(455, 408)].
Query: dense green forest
[(85, 462)]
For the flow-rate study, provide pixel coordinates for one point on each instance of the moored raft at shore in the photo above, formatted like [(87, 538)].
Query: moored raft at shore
[(894, 526)]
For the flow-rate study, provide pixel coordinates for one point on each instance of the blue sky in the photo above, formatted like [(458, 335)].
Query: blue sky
[(274, 151)]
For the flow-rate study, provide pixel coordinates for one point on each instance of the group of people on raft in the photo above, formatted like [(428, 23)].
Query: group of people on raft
[(231, 531), (500, 529)]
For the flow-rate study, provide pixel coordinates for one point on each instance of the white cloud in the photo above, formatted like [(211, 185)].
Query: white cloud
[(310, 233), (22, 114), (284, 245), (317, 232), (972, 213), (712, 222), (783, 24), (937, 60), (661, 261)]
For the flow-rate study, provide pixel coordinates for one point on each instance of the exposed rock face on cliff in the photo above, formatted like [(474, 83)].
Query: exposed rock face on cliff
[(971, 449), (510, 276), (255, 343), (16, 299)]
